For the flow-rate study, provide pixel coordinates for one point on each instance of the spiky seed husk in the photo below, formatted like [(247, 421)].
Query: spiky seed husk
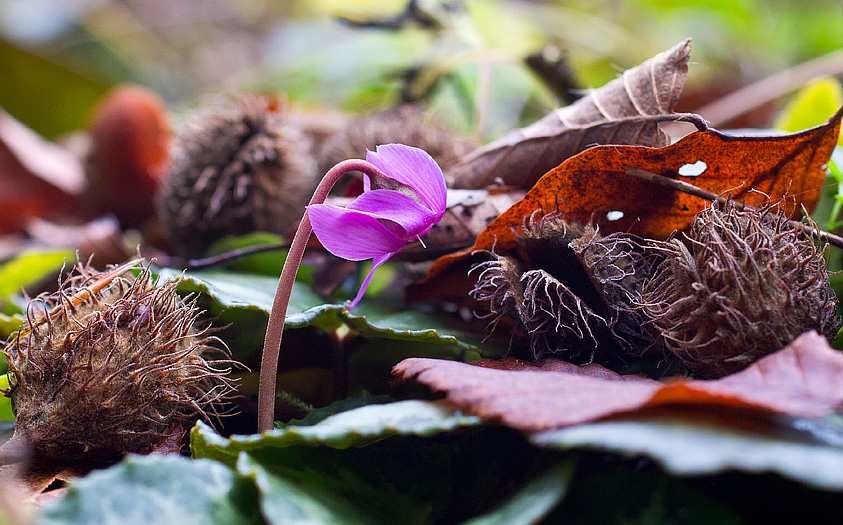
[(569, 289), (405, 124), (236, 167), (101, 374), (740, 285)]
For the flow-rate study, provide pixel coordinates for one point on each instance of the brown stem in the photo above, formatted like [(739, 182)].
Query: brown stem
[(696, 191), (278, 313)]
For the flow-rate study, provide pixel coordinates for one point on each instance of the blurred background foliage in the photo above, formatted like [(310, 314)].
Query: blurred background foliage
[(57, 57)]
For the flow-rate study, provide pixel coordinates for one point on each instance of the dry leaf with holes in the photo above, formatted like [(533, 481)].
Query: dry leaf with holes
[(593, 186)]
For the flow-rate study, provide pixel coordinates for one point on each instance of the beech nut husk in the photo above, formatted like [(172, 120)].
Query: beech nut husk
[(236, 167), (738, 285), (569, 290), (98, 373)]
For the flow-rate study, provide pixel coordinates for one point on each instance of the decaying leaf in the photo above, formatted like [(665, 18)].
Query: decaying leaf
[(804, 379), (38, 178), (468, 213), (592, 186), (627, 110)]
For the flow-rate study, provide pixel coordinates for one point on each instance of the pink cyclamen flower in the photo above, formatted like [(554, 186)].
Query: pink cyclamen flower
[(378, 223)]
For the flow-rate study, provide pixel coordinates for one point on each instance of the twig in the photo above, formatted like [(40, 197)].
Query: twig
[(768, 89), (551, 65), (696, 191), (412, 13), (215, 260)]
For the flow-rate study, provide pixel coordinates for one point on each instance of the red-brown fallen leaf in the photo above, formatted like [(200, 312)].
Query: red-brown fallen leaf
[(129, 152), (593, 183), (804, 379), (38, 178)]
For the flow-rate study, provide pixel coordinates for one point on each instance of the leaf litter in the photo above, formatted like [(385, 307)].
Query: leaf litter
[(555, 403)]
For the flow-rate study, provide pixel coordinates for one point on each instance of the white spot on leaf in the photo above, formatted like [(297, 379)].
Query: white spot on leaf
[(692, 170)]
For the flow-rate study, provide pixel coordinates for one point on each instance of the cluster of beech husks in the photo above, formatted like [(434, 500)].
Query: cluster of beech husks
[(248, 164), (739, 284), (106, 370)]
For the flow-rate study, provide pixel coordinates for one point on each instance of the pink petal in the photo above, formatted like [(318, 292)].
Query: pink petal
[(415, 168), (402, 209), (351, 234), (375, 265)]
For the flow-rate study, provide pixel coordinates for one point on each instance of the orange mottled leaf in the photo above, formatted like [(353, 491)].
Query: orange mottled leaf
[(590, 185)]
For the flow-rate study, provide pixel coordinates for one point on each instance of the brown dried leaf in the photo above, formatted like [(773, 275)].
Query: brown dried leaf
[(469, 212), (627, 110), (804, 379), (594, 182), (39, 178)]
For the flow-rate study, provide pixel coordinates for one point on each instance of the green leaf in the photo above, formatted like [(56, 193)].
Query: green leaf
[(264, 263), (5, 402), (353, 428), (47, 97), (10, 324), (640, 495), (356, 401), (256, 293), (29, 267), (812, 106), (533, 502), (283, 501), (690, 448), (155, 489), (404, 462), (406, 479)]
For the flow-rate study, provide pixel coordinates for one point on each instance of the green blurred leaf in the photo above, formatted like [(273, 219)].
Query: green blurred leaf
[(30, 267), (5, 402), (319, 60), (353, 428), (47, 97), (695, 448), (10, 324), (812, 106), (141, 490)]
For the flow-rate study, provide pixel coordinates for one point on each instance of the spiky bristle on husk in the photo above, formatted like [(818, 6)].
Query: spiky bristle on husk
[(96, 375), (570, 289), (740, 285), (237, 167)]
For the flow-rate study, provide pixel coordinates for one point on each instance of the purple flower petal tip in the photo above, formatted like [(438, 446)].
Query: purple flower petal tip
[(380, 222), (415, 168)]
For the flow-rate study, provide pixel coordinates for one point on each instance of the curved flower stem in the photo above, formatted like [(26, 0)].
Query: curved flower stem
[(278, 313)]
